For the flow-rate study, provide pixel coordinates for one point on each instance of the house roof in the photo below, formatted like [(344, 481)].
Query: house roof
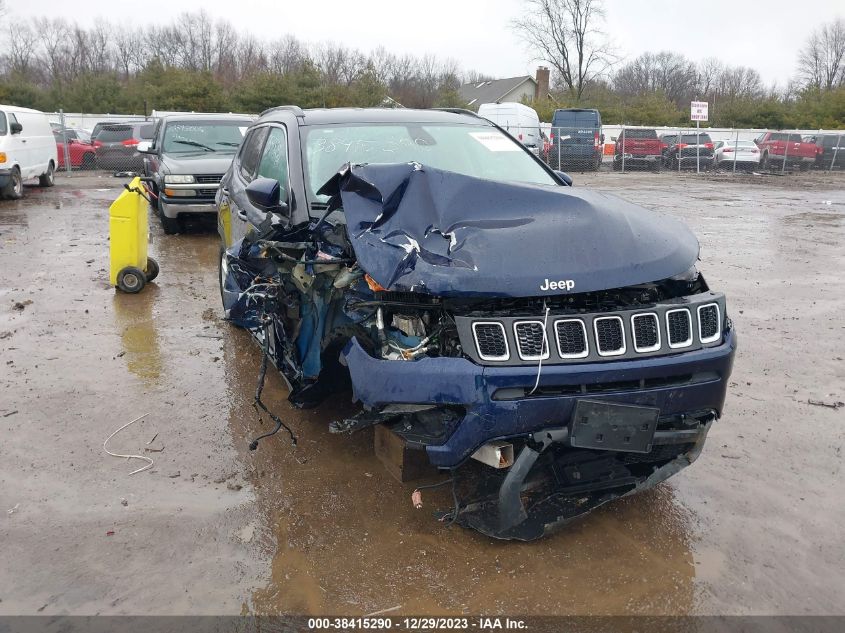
[(475, 94)]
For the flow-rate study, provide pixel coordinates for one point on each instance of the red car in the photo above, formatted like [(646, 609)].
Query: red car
[(82, 153), (783, 149)]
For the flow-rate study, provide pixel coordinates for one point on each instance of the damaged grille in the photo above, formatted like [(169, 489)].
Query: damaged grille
[(708, 323), (571, 338), (610, 336), (646, 332), (531, 342), (491, 340), (679, 328)]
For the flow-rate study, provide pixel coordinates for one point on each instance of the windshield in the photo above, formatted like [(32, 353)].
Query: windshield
[(692, 139), (115, 134), (639, 134), (479, 151), (207, 136)]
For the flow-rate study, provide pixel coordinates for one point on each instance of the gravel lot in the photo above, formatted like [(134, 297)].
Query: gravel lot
[(753, 527)]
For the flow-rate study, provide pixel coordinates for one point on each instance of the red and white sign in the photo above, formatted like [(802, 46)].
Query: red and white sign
[(698, 110)]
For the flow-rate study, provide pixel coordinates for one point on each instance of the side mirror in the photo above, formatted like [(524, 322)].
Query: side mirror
[(613, 138), (266, 194), (15, 128), (566, 178), (145, 147)]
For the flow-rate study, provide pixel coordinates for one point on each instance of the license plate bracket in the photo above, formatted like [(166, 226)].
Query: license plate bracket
[(611, 426)]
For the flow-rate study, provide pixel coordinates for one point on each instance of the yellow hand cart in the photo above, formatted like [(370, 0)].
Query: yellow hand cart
[(129, 232)]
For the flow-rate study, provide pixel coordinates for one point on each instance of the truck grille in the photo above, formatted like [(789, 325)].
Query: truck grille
[(571, 337), (491, 340), (709, 328), (679, 328), (209, 179), (610, 336), (531, 342), (646, 332)]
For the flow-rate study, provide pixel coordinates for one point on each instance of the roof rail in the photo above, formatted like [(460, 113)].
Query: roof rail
[(459, 111), (297, 111)]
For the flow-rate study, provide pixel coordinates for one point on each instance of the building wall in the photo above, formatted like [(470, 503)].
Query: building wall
[(525, 90)]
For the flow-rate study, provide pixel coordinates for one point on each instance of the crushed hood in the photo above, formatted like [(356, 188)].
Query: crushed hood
[(420, 229)]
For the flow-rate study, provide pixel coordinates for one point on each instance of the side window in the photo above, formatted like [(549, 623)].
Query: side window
[(2, 124), (274, 158), (12, 119), (251, 151)]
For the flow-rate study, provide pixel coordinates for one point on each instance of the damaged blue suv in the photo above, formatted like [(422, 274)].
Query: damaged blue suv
[(549, 348)]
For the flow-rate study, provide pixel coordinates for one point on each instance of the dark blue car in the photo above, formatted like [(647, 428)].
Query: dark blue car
[(546, 348)]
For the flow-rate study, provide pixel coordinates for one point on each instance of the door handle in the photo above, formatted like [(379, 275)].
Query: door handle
[(241, 215)]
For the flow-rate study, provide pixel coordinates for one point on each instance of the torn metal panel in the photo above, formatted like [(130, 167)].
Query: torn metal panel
[(419, 229), (539, 495)]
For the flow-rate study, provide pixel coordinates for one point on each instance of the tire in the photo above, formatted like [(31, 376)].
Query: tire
[(48, 178), (656, 167), (152, 269), (764, 162), (617, 165), (14, 190), (131, 280), (220, 259), (171, 226), (89, 162)]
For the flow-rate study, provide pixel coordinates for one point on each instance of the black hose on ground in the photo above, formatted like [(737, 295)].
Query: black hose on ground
[(257, 403)]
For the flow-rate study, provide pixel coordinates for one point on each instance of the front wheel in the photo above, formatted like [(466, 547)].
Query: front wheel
[(88, 161), (14, 189), (171, 226)]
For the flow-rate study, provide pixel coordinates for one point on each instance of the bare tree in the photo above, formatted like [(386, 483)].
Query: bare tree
[(23, 47), (563, 34), (821, 63), (667, 72)]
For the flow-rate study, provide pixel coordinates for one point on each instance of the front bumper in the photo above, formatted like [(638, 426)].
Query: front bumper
[(173, 207), (693, 381), (644, 159)]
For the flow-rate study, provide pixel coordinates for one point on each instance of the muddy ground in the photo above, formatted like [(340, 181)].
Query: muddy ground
[(753, 527)]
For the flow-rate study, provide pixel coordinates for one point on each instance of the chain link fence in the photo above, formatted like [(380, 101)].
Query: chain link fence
[(107, 143), (686, 149)]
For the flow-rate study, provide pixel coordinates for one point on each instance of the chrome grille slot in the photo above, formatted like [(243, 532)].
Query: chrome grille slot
[(208, 179), (709, 323), (531, 340), (490, 340), (646, 331), (571, 337), (678, 328), (610, 335)]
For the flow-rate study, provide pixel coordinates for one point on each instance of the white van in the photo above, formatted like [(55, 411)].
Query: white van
[(517, 119), (27, 150)]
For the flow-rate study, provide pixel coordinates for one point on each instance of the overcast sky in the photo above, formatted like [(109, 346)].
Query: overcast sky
[(763, 35)]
